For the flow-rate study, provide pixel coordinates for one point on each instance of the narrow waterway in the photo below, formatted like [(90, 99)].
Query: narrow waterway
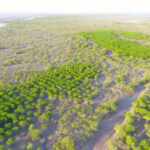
[(98, 142)]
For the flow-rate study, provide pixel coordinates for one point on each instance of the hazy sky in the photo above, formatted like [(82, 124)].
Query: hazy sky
[(75, 6)]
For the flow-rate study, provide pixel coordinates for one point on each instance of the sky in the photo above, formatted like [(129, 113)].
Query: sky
[(74, 6)]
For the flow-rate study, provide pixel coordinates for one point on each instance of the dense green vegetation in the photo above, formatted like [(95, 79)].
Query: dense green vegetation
[(112, 41), (133, 134), (34, 100), (21, 102), (136, 36)]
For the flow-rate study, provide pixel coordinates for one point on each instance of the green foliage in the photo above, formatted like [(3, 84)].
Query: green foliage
[(65, 144), (144, 145), (110, 40), (2, 147), (134, 132), (10, 141), (30, 146), (131, 141), (143, 107), (147, 129), (136, 35), (19, 103), (35, 134)]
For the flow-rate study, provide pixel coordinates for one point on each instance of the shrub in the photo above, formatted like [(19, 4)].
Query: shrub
[(65, 144), (35, 134)]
